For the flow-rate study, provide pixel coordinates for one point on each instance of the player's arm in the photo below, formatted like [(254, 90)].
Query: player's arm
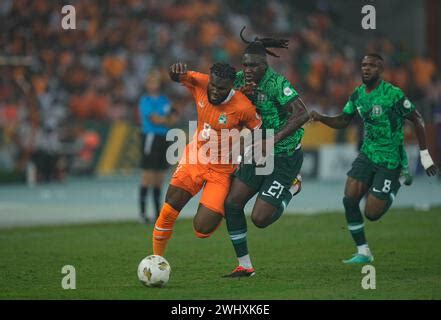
[(299, 116), (426, 160), (343, 119), (177, 71), (336, 122)]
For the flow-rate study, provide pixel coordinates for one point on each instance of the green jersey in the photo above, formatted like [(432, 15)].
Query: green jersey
[(270, 98), (383, 112)]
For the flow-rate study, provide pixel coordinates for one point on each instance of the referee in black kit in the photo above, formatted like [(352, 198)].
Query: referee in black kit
[(156, 116)]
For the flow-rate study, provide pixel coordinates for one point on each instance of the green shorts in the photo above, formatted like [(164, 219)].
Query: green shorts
[(273, 188), (383, 182)]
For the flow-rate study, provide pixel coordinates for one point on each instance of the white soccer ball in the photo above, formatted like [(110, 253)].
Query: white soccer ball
[(154, 271)]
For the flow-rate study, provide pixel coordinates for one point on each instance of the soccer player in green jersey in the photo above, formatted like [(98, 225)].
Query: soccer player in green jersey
[(282, 110), (376, 171)]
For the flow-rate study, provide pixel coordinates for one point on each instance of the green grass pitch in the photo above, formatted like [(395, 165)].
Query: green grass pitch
[(299, 257)]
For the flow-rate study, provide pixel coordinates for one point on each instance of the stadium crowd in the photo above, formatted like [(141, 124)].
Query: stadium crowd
[(53, 81)]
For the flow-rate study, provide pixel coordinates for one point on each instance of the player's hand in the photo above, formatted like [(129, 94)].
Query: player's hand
[(315, 116), (432, 171), (427, 162), (248, 89), (177, 69)]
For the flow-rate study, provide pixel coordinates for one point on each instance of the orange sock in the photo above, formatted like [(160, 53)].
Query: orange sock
[(164, 228)]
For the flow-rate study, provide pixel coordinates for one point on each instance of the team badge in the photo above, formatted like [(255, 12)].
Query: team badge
[(223, 118), (377, 111), (288, 91), (407, 104), (261, 97)]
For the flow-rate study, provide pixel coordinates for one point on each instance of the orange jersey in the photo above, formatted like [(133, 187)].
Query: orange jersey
[(236, 112)]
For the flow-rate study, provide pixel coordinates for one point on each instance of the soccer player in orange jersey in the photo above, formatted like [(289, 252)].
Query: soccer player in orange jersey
[(219, 107)]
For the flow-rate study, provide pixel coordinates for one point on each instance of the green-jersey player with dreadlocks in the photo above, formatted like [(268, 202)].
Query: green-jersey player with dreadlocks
[(376, 171), (282, 110)]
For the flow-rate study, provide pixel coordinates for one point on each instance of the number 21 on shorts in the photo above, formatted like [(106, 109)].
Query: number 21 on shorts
[(275, 190)]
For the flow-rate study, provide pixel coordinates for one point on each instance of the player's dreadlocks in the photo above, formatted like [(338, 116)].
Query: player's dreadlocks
[(260, 45), (223, 70)]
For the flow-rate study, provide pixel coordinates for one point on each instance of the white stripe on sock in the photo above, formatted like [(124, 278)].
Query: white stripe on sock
[(355, 227), (238, 236), (162, 229)]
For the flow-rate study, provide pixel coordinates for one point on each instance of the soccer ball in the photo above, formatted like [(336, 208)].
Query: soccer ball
[(154, 271)]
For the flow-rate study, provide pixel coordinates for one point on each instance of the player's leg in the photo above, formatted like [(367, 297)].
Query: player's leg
[(158, 180), (159, 152), (241, 191), (175, 199), (206, 221), (147, 174), (382, 193), (357, 184), (211, 209), (278, 189), (182, 188), (146, 179)]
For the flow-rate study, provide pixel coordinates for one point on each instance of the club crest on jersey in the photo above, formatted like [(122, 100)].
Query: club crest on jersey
[(287, 91), (261, 97), (377, 110), (407, 104), (223, 118)]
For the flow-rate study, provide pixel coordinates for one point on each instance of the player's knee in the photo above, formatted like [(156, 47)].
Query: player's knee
[(202, 235), (171, 201), (372, 215), (260, 221), (202, 232)]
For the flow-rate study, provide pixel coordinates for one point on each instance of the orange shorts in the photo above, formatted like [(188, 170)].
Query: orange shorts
[(193, 177)]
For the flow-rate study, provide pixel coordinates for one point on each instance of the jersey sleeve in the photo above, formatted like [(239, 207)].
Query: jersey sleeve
[(402, 106), (350, 107), (285, 92), (193, 79)]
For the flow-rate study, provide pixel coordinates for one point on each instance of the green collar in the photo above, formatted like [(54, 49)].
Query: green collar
[(380, 85)]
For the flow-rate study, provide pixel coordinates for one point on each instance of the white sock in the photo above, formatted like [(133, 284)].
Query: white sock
[(245, 261), (364, 250)]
